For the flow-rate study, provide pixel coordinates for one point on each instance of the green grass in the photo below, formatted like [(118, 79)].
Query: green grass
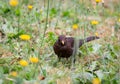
[(47, 20)]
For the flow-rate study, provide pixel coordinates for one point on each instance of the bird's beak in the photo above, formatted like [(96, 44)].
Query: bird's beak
[(63, 42)]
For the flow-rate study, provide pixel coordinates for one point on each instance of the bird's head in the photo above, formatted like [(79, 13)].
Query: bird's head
[(62, 40)]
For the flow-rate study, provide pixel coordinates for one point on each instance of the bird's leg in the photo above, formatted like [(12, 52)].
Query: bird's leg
[(74, 60), (66, 60), (59, 58), (80, 54)]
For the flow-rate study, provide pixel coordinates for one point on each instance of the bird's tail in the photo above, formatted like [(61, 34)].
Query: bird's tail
[(88, 39)]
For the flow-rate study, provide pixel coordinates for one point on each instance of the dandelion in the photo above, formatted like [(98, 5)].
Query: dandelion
[(24, 37), (96, 81), (75, 26), (13, 2), (98, 1), (94, 22), (23, 63), (96, 34), (34, 59), (119, 20), (13, 73), (41, 10), (30, 7)]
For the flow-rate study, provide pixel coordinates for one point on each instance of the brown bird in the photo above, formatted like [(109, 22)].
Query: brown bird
[(64, 46)]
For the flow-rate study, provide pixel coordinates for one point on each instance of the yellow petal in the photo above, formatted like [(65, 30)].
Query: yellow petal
[(30, 7), (24, 37), (13, 73), (94, 22), (75, 26), (34, 59), (13, 2), (118, 20), (96, 34), (23, 63), (98, 1), (96, 81)]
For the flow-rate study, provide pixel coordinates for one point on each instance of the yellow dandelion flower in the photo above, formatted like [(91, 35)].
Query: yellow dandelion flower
[(96, 81), (98, 1), (30, 7), (119, 20), (41, 10), (94, 22), (13, 73), (34, 59), (75, 26), (96, 34), (13, 2), (24, 37), (23, 63)]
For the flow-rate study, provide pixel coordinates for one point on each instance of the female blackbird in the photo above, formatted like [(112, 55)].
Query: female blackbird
[(64, 46)]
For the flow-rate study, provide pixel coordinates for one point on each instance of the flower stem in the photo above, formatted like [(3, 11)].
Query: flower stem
[(47, 14)]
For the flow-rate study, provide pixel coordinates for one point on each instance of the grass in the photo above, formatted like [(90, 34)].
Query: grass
[(44, 23)]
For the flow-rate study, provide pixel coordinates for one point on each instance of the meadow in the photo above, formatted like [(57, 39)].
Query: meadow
[(29, 29)]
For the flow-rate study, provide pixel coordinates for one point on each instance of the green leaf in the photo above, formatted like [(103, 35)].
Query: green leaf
[(6, 10), (17, 12), (53, 12), (37, 14), (6, 69), (66, 14), (51, 38), (28, 75), (1, 72), (15, 35), (44, 72)]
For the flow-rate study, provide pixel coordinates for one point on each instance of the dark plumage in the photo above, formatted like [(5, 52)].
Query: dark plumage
[(63, 47)]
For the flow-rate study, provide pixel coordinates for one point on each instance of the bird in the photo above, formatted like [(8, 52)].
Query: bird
[(64, 46)]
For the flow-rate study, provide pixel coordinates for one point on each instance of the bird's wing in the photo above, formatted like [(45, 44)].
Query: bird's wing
[(88, 39), (56, 48), (70, 41)]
